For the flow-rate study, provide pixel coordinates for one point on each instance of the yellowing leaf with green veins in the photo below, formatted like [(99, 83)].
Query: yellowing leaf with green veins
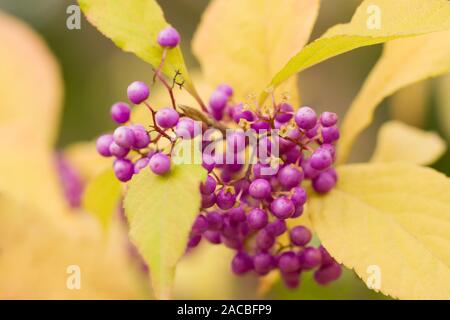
[(403, 62), (244, 43), (133, 25), (393, 218), (161, 211), (400, 142), (375, 21), (102, 196), (444, 104)]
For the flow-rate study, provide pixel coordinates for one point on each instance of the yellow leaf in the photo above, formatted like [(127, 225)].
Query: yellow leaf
[(102, 196), (444, 104), (375, 21), (244, 43), (393, 218), (133, 25), (42, 256), (403, 62), (30, 82), (400, 142), (161, 211)]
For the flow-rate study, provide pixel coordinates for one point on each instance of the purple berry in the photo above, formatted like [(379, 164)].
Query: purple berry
[(218, 101), (257, 219), (328, 274), (324, 182), (241, 263), (290, 177), (194, 241), (141, 137), (310, 258), (263, 263), (200, 225), (264, 240), (306, 118), (285, 113), (330, 148), (327, 259), (209, 186), (276, 228), (140, 164), (260, 126), (124, 137), (291, 279), (260, 189), (298, 212), (215, 220), (236, 141), (168, 37), (138, 92), (299, 196), (310, 172), (208, 162), (160, 163), (120, 112), (186, 128), (237, 214), (312, 133), (293, 155), (225, 199), (300, 236), (282, 208), (167, 118), (328, 119), (213, 236), (321, 159), (208, 200), (225, 89), (118, 151), (123, 169), (103, 143), (288, 262), (330, 134)]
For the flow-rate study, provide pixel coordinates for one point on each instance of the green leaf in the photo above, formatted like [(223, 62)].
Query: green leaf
[(101, 197), (393, 217), (133, 25), (404, 62), (160, 211), (397, 19)]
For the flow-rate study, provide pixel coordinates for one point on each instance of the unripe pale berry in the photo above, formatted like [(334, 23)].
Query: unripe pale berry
[(138, 92), (124, 137), (160, 163), (168, 37), (306, 118), (123, 169), (260, 189), (167, 118), (120, 112), (103, 143)]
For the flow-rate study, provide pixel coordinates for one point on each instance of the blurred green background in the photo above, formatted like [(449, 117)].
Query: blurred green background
[(96, 75)]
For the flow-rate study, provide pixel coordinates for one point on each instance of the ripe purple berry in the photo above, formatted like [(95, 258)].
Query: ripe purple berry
[(282, 208), (299, 196), (257, 219), (330, 134), (103, 143), (138, 92), (290, 177), (160, 163), (321, 159), (194, 241), (186, 128), (209, 186), (167, 118), (218, 101), (288, 262), (300, 236), (328, 274), (225, 199), (260, 189), (285, 113), (140, 164), (306, 118), (324, 182), (213, 236), (263, 263), (310, 258), (225, 88), (118, 151), (208, 200), (141, 137), (124, 137), (200, 225), (264, 240), (276, 228), (237, 215), (123, 169), (241, 263), (120, 112), (328, 119), (168, 37)]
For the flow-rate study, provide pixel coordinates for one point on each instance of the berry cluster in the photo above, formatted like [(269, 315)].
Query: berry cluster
[(249, 205)]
